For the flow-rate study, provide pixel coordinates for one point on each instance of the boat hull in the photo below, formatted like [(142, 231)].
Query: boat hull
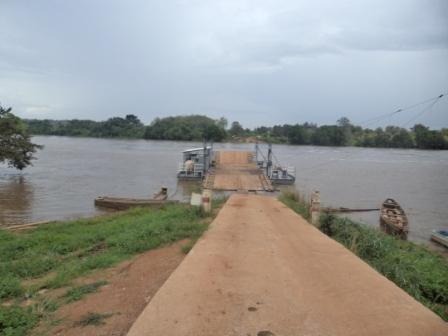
[(290, 180), (437, 237), (392, 230), (282, 181), (189, 178), (393, 219), (127, 203)]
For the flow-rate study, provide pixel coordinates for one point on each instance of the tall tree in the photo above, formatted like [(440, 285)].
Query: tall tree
[(427, 139), (347, 126), (16, 148), (222, 122), (192, 127), (236, 129)]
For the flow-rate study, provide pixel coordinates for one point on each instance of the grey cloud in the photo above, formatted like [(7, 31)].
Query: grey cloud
[(325, 27), (264, 61)]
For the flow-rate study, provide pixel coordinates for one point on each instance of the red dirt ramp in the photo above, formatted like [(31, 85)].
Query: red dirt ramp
[(262, 270)]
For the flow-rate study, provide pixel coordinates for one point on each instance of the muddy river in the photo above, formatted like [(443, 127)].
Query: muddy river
[(71, 172)]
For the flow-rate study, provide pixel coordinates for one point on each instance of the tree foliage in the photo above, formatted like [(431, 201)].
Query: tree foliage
[(16, 148), (117, 127), (425, 138), (344, 133), (236, 129), (192, 127), (198, 127)]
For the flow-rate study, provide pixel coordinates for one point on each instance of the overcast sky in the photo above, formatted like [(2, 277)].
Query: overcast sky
[(261, 62)]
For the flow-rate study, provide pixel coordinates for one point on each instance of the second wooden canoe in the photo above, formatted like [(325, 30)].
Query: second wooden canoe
[(122, 203), (393, 219), (440, 236)]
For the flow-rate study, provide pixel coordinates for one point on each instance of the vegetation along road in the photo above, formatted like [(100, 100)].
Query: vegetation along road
[(45, 271)]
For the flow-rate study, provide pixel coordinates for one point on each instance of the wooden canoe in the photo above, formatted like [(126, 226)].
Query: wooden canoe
[(122, 203), (342, 209), (440, 236), (393, 219)]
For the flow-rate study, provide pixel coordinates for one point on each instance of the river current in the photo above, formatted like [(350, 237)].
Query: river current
[(71, 172)]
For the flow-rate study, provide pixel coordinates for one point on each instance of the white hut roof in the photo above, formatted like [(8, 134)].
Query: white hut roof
[(195, 149)]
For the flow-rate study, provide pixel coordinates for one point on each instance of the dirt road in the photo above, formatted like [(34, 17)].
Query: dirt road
[(262, 270), (235, 170), (131, 285)]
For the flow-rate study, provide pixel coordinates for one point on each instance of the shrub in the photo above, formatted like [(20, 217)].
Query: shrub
[(16, 321), (420, 272), (9, 287)]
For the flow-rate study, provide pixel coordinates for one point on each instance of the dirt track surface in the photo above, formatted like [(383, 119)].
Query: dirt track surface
[(236, 171), (226, 158), (132, 284), (261, 267)]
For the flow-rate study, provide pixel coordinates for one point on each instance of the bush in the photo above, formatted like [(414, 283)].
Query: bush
[(55, 254), (296, 202), (420, 272), (9, 287), (16, 321), (77, 293)]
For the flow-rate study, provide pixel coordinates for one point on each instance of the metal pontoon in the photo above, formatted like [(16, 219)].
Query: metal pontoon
[(195, 163), (277, 173)]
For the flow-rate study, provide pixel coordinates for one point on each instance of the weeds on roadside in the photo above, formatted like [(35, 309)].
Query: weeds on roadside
[(188, 246), (297, 202), (95, 319), (53, 255), (420, 272), (75, 248), (77, 293), (10, 287), (16, 321)]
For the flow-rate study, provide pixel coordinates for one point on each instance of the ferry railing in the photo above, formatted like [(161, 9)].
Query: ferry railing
[(291, 170), (198, 168), (197, 171), (181, 167)]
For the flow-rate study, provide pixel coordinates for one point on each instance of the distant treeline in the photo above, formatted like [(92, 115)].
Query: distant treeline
[(197, 127)]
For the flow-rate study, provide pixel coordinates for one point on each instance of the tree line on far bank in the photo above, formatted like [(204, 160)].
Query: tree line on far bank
[(198, 127)]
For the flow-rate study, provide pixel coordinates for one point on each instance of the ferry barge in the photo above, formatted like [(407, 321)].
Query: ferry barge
[(195, 163), (277, 173)]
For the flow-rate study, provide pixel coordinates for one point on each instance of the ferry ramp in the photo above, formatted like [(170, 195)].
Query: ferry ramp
[(262, 270), (236, 170)]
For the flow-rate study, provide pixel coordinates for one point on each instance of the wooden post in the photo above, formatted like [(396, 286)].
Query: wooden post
[(207, 200), (269, 164), (204, 170), (315, 207), (256, 152)]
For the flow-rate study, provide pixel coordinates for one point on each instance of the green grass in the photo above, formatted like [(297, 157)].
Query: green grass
[(16, 321), (53, 255), (186, 248), (296, 202), (9, 286), (71, 249), (92, 319), (420, 272), (78, 292)]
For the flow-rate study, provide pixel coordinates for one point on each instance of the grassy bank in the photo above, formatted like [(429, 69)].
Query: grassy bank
[(54, 255), (420, 272)]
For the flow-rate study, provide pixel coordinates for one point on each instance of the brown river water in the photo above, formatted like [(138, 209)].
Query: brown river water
[(71, 172)]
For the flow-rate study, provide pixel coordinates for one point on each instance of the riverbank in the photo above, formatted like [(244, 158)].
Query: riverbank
[(420, 272), (44, 269), (198, 127), (71, 172)]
